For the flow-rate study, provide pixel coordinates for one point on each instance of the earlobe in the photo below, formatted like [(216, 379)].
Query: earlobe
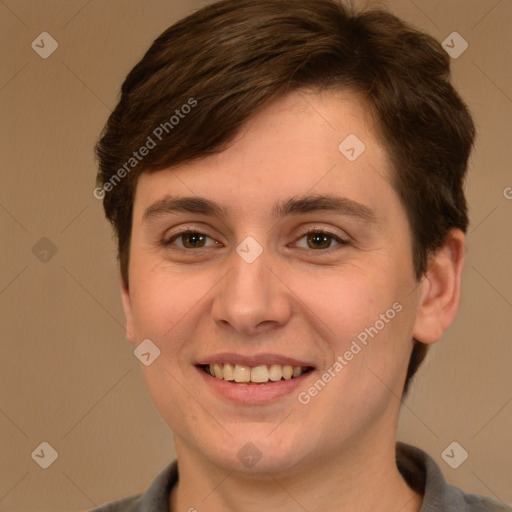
[(440, 289), (127, 307)]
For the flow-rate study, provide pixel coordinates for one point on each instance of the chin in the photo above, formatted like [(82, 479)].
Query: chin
[(255, 452)]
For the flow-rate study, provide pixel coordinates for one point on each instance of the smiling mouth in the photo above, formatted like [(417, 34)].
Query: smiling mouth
[(263, 374)]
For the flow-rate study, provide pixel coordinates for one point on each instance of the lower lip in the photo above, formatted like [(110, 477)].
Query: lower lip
[(254, 394)]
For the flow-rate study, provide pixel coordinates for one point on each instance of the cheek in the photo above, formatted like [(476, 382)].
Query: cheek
[(350, 299), (367, 316), (163, 301)]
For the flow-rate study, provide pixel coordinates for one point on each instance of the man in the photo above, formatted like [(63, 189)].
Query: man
[(285, 179)]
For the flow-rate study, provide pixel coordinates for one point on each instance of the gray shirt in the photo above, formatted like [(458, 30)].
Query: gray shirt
[(418, 469)]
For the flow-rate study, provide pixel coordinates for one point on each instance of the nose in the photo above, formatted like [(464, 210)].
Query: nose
[(252, 298)]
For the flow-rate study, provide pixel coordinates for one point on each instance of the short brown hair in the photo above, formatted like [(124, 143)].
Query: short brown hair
[(234, 57)]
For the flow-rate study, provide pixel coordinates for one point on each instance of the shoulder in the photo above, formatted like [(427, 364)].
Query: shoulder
[(128, 504), (155, 499), (422, 473), (473, 502)]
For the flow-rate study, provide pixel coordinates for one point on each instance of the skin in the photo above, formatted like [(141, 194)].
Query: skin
[(293, 301)]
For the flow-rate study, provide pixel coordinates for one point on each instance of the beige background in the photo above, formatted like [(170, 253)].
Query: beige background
[(68, 376)]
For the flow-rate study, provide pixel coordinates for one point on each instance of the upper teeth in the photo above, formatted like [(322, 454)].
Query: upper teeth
[(257, 374)]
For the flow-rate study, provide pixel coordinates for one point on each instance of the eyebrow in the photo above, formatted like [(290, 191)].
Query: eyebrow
[(297, 205)]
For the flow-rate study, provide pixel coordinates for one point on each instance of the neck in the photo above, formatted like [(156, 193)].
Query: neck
[(360, 476)]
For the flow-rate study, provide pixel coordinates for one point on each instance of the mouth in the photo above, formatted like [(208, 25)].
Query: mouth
[(260, 375)]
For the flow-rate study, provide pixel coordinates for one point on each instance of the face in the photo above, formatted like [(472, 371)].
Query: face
[(250, 290)]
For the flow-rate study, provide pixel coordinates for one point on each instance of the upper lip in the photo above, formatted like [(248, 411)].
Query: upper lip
[(252, 360)]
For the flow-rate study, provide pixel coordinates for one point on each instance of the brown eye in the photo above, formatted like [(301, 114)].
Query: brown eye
[(320, 239), (189, 239)]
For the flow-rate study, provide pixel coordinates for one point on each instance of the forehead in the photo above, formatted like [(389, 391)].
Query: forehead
[(303, 143)]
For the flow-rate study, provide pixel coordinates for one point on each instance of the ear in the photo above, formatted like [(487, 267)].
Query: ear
[(127, 307), (440, 289)]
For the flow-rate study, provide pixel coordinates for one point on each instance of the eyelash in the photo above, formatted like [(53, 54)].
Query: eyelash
[(310, 231)]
